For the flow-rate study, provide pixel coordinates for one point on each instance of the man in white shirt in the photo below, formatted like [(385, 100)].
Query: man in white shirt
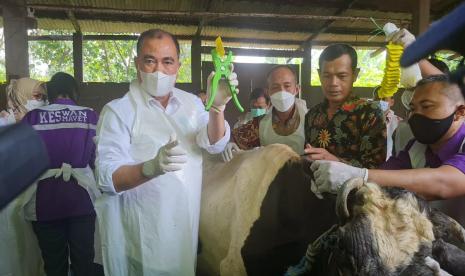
[(149, 165), (283, 124), (391, 119)]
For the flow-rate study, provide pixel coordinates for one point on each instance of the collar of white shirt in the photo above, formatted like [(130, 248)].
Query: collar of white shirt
[(173, 103)]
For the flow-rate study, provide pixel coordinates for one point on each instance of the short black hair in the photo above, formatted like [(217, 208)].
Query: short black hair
[(335, 51), (433, 78), (158, 34), (288, 67), (62, 84), (257, 93), (441, 65), (446, 80), (458, 77)]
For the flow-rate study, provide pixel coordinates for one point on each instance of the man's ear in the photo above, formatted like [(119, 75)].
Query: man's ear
[(357, 70), (298, 89), (460, 113)]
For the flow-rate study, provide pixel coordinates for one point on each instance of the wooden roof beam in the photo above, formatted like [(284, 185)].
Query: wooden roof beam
[(74, 21), (325, 25), (328, 23), (208, 38), (202, 14), (204, 20)]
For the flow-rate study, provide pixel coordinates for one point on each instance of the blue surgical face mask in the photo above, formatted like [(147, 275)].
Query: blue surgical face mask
[(384, 105), (33, 104), (256, 112)]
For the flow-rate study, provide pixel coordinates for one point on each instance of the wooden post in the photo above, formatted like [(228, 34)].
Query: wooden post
[(196, 63), (420, 16), (15, 34), (306, 69), (77, 57)]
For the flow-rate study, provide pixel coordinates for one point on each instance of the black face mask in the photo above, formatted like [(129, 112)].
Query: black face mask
[(429, 131)]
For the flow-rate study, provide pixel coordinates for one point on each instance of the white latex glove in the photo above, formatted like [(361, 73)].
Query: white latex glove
[(223, 95), (7, 118), (409, 76), (229, 150), (3, 113), (389, 30), (314, 190), (169, 158), (402, 37), (330, 175), (434, 265)]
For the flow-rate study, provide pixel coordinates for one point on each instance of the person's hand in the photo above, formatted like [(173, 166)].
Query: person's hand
[(434, 265), (170, 158), (330, 175), (229, 150), (223, 95), (318, 154), (7, 117), (402, 37)]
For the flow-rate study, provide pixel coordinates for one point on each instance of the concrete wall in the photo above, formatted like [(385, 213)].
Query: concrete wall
[(96, 95), (315, 96)]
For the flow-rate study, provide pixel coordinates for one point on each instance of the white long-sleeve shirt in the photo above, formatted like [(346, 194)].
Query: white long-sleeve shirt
[(114, 134)]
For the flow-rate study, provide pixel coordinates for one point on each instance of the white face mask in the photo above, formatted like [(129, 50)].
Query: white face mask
[(33, 104), (282, 100), (157, 84)]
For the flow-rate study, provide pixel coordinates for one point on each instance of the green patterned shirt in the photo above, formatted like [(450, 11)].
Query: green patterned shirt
[(356, 134)]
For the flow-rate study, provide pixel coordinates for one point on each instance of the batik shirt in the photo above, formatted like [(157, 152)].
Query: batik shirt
[(356, 133)]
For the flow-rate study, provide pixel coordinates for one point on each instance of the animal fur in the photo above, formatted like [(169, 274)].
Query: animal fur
[(399, 227), (383, 231)]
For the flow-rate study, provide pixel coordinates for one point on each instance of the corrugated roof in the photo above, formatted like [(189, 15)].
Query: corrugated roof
[(102, 20), (188, 5), (99, 26), (208, 31), (170, 5)]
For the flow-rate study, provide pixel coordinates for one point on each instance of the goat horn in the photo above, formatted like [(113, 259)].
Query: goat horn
[(341, 201)]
